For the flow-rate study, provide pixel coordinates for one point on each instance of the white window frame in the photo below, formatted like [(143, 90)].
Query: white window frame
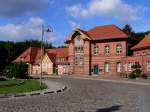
[(107, 67), (119, 67), (119, 49), (107, 49), (96, 49), (79, 60), (78, 49), (130, 64)]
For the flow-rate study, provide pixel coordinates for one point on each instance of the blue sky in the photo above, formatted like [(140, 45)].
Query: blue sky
[(22, 19)]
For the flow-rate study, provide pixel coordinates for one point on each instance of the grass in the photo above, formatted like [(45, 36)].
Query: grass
[(9, 82), (27, 86)]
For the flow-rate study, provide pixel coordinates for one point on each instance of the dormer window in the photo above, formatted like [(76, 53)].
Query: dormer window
[(119, 49), (107, 49)]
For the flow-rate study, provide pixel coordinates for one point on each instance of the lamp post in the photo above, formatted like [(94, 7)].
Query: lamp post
[(44, 29)]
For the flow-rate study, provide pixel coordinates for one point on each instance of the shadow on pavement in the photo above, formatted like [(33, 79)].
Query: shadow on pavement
[(110, 109)]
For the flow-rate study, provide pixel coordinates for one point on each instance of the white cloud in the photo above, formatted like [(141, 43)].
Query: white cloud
[(30, 29), (15, 8), (117, 9), (74, 25)]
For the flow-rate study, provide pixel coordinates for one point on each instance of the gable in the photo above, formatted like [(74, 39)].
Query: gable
[(78, 32), (46, 60)]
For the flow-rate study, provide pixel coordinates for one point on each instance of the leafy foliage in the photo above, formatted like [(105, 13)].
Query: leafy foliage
[(18, 70), (11, 50), (128, 29), (3, 57)]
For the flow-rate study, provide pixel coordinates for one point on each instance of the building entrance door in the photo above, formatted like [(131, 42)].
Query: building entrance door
[(96, 70)]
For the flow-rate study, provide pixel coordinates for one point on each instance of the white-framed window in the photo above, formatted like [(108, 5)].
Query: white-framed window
[(119, 49), (119, 66), (96, 49), (79, 60), (78, 42), (106, 67), (130, 64), (76, 60), (148, 66), (79, 49), (107, 49)]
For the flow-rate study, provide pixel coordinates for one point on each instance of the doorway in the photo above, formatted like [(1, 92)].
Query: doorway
[(96, 70)]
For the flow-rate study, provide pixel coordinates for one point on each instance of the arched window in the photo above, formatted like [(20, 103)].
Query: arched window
[(107, 49), (119, 49), (96, 49), (107, 67), (118, 66)]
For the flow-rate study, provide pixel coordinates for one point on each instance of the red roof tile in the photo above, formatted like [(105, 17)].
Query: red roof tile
[(52, 57), (33, 55), (60, 52), (143, 44), (106, 32), (29, 56)]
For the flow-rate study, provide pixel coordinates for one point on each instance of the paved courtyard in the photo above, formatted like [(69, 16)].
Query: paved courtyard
[(84, 96)]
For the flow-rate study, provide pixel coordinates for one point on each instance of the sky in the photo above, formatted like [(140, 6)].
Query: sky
[(23, 19)]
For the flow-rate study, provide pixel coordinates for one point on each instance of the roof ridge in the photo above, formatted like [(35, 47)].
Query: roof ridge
[(102, 26), (57, 48)]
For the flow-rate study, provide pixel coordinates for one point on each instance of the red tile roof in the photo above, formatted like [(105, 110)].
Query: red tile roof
[(106, 32), (52, 57), (33, 55), (143, 44), (29, 56), (60, 52), (103, 33)]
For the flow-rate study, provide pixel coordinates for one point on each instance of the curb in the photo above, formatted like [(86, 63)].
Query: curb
[(116, 81), (6, 96)]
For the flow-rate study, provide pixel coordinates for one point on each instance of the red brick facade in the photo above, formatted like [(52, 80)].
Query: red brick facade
[(104, 52), (101, 51)]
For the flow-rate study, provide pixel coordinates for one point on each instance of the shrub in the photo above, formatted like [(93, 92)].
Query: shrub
[(136, 70), (2, 79), (144, 76), (132, 75), (18, 70)]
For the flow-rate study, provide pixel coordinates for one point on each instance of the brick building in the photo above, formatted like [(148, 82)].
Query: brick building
[(101, 51), (141, 55), (104, 51), (55, 61)]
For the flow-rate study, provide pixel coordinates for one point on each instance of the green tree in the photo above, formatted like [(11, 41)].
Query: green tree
[(18, 70), (128, 29), (3, 58)]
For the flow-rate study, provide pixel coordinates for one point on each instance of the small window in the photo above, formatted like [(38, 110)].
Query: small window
[(130, 64), (119, 49), (79, 49), (96, 49), (79, 60), (107, 67), (76, 60), (107, 49), (148, 66)]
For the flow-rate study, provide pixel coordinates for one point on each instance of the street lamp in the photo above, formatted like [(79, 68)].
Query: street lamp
[(44, 29)]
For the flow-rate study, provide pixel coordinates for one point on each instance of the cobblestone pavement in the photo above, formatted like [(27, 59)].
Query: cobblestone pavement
[(84, 96)]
